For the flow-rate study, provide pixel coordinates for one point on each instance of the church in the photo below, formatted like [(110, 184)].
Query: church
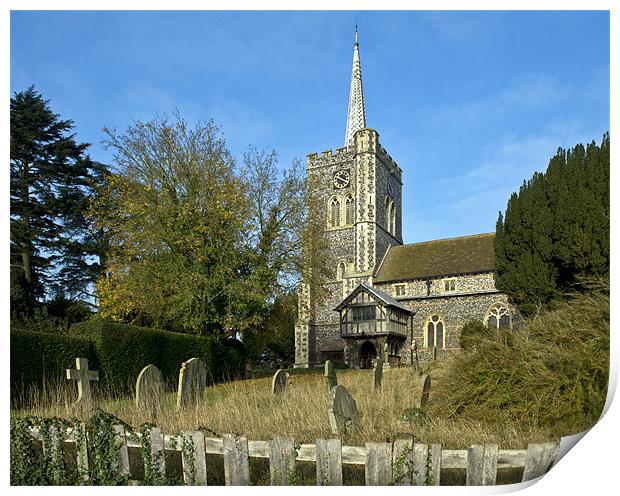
[(386, 296)]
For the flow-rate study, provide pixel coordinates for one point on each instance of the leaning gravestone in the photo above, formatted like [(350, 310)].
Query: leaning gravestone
[(343, 415), (149, 389), (330, 375), (278, 383), (378, 374), (425, 380), (192, 382)]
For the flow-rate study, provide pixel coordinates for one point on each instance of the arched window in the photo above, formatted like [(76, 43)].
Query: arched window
[(342, 266), (349, 210), (334, 212), (434, 332), (392, 218), (498, 317), (387, 213)]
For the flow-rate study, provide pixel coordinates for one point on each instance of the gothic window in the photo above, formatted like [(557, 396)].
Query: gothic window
[(349, 210), (434, 334), (340, 270), (334, 212), (390, 215), (498, 317)]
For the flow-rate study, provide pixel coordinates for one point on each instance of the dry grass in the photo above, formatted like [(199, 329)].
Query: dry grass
[(248, 408), (551, 373)]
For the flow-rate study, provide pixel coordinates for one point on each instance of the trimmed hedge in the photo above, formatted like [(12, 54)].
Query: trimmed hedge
[(123, 350), (35, 355)]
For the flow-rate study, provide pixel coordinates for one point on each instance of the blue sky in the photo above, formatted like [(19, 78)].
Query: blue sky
[(468, 103)]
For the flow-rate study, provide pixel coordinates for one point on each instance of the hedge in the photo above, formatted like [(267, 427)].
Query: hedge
[(35, 355), (123, 350)]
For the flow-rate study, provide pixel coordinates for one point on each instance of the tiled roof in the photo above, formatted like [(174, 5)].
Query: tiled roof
[(438, 258), (382, 295)]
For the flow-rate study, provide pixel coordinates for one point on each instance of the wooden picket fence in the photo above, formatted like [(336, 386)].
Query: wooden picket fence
[(383, 462)]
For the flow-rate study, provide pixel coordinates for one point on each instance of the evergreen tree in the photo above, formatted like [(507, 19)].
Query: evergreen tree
[(53, 249), (554, 236)]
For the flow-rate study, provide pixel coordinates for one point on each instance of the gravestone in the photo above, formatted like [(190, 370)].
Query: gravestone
[(149, 389), (83, 376), (415, 363), (425, 381), (330, 375), (386, 356), (343, 415), (192, 383), (378, 374), (279, 381)]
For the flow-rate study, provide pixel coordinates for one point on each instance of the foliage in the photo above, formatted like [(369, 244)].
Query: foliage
[(103, 463), (174, 214), (414, 415), (272, 344), (472, 333), (122, 351), (53, 245), (554, 235), (37, 357), (553, 371)]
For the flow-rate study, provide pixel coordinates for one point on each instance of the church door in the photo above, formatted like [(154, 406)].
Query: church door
[(368, 353)]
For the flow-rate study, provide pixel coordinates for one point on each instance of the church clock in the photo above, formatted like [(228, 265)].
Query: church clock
[(342, 179)]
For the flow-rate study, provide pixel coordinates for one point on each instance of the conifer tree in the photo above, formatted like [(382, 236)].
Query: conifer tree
[(53, 249), (554, 236)]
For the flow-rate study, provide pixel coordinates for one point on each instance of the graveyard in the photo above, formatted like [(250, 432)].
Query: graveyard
[(355, 407), (363, 420), (188, 311)]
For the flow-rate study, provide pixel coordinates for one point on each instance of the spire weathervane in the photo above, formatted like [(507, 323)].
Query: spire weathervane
[(356, 118)]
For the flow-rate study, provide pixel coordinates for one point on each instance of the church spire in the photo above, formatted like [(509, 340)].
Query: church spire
[(356, 118)]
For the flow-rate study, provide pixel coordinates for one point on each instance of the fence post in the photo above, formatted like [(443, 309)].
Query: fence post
[(482, 465), (402, 462), (157, 451), (328, 462), (123, 454), (436, 463), (282, 461), (82, 451), (193, 458), (538, 459), (236, 461), (378, 464), (55, 450)]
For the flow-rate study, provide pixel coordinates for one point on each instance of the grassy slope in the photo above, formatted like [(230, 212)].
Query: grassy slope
[(552, 374)]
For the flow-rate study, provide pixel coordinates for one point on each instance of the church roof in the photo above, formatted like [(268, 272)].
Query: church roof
[(377, 293), (438, 258)]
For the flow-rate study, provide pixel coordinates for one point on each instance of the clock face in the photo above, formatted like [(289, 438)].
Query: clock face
[(342, 179), (390, 187)]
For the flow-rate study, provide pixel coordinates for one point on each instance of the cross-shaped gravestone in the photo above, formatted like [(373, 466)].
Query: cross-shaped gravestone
[(83, 376)]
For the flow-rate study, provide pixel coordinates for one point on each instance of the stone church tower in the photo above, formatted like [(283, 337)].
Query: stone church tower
[(360, 186)]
